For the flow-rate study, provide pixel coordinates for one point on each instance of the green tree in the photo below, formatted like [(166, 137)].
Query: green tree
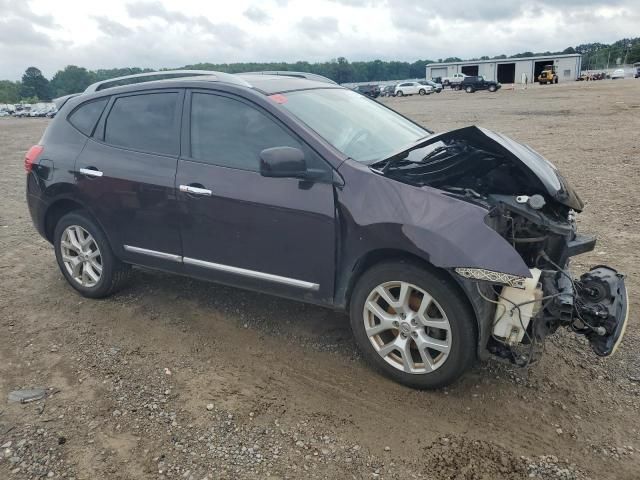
[(35, 85), (71, 80), (634, 54), (9, 91)]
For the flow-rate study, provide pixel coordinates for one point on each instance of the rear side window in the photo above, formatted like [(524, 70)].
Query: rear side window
[(230, 133), (85, 117), (147, 122)]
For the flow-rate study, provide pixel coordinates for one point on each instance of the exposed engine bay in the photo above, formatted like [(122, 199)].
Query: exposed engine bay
[(534, 209)]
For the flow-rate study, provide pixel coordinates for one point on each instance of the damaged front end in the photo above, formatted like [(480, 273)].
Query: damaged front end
[(533, 208)]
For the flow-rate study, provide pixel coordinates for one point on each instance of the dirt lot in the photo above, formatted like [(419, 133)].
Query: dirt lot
[(176, 378)]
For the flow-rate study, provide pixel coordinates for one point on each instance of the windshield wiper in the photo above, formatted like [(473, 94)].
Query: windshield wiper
[(396, 161)]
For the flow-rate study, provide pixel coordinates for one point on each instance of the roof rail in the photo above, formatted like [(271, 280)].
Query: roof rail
[(219, 76), (287, 73)]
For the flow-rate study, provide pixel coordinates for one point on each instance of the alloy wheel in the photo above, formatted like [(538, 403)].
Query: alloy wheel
[(407, 327), (81, 256)]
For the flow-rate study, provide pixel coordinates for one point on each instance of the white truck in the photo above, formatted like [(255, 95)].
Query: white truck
[(453, 81)]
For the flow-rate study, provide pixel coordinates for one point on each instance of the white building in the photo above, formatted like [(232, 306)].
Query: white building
[(511, 70)]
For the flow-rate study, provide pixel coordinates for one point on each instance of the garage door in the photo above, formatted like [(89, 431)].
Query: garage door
[(438, 72)]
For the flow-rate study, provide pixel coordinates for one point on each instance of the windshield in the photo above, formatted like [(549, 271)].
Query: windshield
[(355, 125)]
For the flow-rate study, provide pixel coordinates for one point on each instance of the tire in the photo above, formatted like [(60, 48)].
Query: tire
[(422, 92), (492, 88), (399, 93), (441, 369), (469, 89), (113, 272), (555, 80)]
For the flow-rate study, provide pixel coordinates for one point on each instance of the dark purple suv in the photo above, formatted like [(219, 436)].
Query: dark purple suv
[(443, 248)]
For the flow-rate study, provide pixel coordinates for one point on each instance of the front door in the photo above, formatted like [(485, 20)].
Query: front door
[(238, 227), (126, 175)]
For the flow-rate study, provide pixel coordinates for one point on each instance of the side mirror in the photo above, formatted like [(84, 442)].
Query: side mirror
[(283, 162)]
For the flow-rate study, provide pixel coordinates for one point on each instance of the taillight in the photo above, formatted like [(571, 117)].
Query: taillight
[(31, 157)]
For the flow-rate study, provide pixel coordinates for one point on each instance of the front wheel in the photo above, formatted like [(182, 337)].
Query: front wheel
[(492, 88), (399, 93), (469, 89), (412, 325), (85, 257), (422, 92)]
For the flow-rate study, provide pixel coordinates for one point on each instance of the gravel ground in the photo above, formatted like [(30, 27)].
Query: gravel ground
[(176, 378)]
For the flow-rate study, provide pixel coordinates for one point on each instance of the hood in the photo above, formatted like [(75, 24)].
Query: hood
[(480, 159)]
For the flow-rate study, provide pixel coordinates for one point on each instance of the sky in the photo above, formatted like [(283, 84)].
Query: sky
[(51, 34)]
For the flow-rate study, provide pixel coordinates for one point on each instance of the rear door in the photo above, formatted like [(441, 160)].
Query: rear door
[(238, 227), (126, 176)]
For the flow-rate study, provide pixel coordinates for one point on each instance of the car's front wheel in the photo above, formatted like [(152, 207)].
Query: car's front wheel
[(399, 93), (412, 325), (492, 88), (85, 257), (469, 89), (422, 92)]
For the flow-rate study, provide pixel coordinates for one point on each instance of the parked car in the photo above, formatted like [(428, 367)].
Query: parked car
[(372, 91), (453, 80), (388, 91), (442, 247), (472, 83), (617, 73), (412, 88), (636, 73), (437, 87), (4, 113), (24, 112)]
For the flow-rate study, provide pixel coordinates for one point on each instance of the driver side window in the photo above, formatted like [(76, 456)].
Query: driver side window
[(230, 133)]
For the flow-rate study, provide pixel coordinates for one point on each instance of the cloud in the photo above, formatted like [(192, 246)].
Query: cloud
[(15, 35), (20, 10), (256, 14), (318, 27), (225, 32), (111, 27), (172, 33)]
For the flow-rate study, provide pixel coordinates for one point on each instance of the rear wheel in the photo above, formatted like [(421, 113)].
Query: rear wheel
[(469, 89), (85, 257), (411, 325)]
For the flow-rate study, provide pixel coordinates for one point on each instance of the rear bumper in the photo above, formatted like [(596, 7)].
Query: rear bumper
[(37, 207)]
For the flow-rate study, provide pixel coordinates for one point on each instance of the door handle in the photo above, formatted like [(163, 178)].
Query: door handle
[(195, 190), (90, 172)]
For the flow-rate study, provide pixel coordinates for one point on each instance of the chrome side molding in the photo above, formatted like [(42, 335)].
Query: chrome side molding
[(251, 273), (154, 253), (293, 282)]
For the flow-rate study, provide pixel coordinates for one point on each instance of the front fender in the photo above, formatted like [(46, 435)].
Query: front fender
[(376, 212)]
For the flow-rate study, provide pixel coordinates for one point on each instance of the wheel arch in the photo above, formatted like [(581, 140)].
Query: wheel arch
[(55, 212), (59, 208), (480, 309)]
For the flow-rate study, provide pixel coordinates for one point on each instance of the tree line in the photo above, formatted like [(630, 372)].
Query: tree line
[(35, 87)]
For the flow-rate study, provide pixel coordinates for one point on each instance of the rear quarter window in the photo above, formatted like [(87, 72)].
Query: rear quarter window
[(85, 117)]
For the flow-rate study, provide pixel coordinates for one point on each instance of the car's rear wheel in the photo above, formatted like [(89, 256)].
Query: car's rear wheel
[(469, 89), (411, 325), (85, 257)]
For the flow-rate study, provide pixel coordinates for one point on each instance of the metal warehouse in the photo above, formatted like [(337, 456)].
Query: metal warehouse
[(511, 70)]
